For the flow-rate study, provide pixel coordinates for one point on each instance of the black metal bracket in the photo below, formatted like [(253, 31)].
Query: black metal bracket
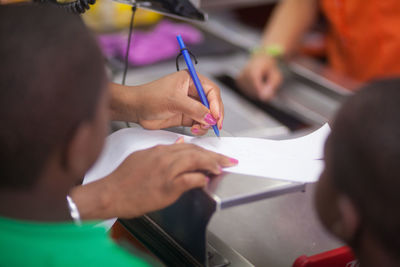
[(180, 54)]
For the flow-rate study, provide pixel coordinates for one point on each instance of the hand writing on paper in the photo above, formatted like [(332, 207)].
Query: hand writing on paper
[(167, 102)]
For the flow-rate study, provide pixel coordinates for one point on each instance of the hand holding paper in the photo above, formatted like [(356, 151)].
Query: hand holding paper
[(148, 180)]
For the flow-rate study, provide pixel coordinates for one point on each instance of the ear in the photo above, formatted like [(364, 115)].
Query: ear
[(346, 226), (78, 153)]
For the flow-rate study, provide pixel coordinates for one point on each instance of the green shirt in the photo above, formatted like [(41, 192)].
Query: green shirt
[(24, 243)]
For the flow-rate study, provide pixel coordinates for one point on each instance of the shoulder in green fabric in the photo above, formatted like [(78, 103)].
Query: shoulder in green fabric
[(60, 244)]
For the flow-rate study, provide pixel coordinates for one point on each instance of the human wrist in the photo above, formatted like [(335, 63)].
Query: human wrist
[(93, 201), (273, 51), (123, 102)]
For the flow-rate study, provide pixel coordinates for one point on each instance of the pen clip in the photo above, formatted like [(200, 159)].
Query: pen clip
[(180, 54)]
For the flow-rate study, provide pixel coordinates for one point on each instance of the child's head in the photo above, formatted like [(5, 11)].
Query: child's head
[(358, 195), (53, 97)]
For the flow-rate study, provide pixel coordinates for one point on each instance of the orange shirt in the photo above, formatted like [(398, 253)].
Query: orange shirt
[(364, 38)]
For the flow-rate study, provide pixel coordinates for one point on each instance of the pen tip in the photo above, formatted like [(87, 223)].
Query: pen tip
[(216, 131)]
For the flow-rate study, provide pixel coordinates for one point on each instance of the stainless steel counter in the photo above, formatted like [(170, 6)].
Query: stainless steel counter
[(275, 231)]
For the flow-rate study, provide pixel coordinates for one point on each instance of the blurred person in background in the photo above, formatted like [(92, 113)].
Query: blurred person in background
[(363, 41)]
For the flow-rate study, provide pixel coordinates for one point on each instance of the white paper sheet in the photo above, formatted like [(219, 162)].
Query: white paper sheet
[(296, 159)]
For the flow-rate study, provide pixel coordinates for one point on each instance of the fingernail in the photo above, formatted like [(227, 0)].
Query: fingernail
[(222, 123), (205, 126), (209, 119), (195, 130), (234, 161)]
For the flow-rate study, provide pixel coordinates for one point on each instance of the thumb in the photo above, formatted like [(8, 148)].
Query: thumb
[(187, 181), (259, 80), (195, 110), (270, 87)]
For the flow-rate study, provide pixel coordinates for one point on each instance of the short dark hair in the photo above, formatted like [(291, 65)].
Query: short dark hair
[(364, 155), (51, 77)]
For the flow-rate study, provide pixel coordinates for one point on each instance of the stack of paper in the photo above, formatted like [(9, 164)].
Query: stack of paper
[(298, 159)]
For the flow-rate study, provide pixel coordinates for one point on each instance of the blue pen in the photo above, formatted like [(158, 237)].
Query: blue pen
[(195, 78)]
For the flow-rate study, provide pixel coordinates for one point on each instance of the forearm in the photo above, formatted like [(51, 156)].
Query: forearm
[(124, 102), (288, 23)]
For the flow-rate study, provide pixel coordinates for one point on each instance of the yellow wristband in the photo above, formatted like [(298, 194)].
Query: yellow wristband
[(275, 51)]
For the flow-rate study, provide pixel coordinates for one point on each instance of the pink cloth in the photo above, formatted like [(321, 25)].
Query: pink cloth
[(153, 46)]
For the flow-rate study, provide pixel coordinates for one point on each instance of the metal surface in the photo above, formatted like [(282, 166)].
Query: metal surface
[(274, 231), (323, 76), (232, 256), (177, 234), (230, 189)]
